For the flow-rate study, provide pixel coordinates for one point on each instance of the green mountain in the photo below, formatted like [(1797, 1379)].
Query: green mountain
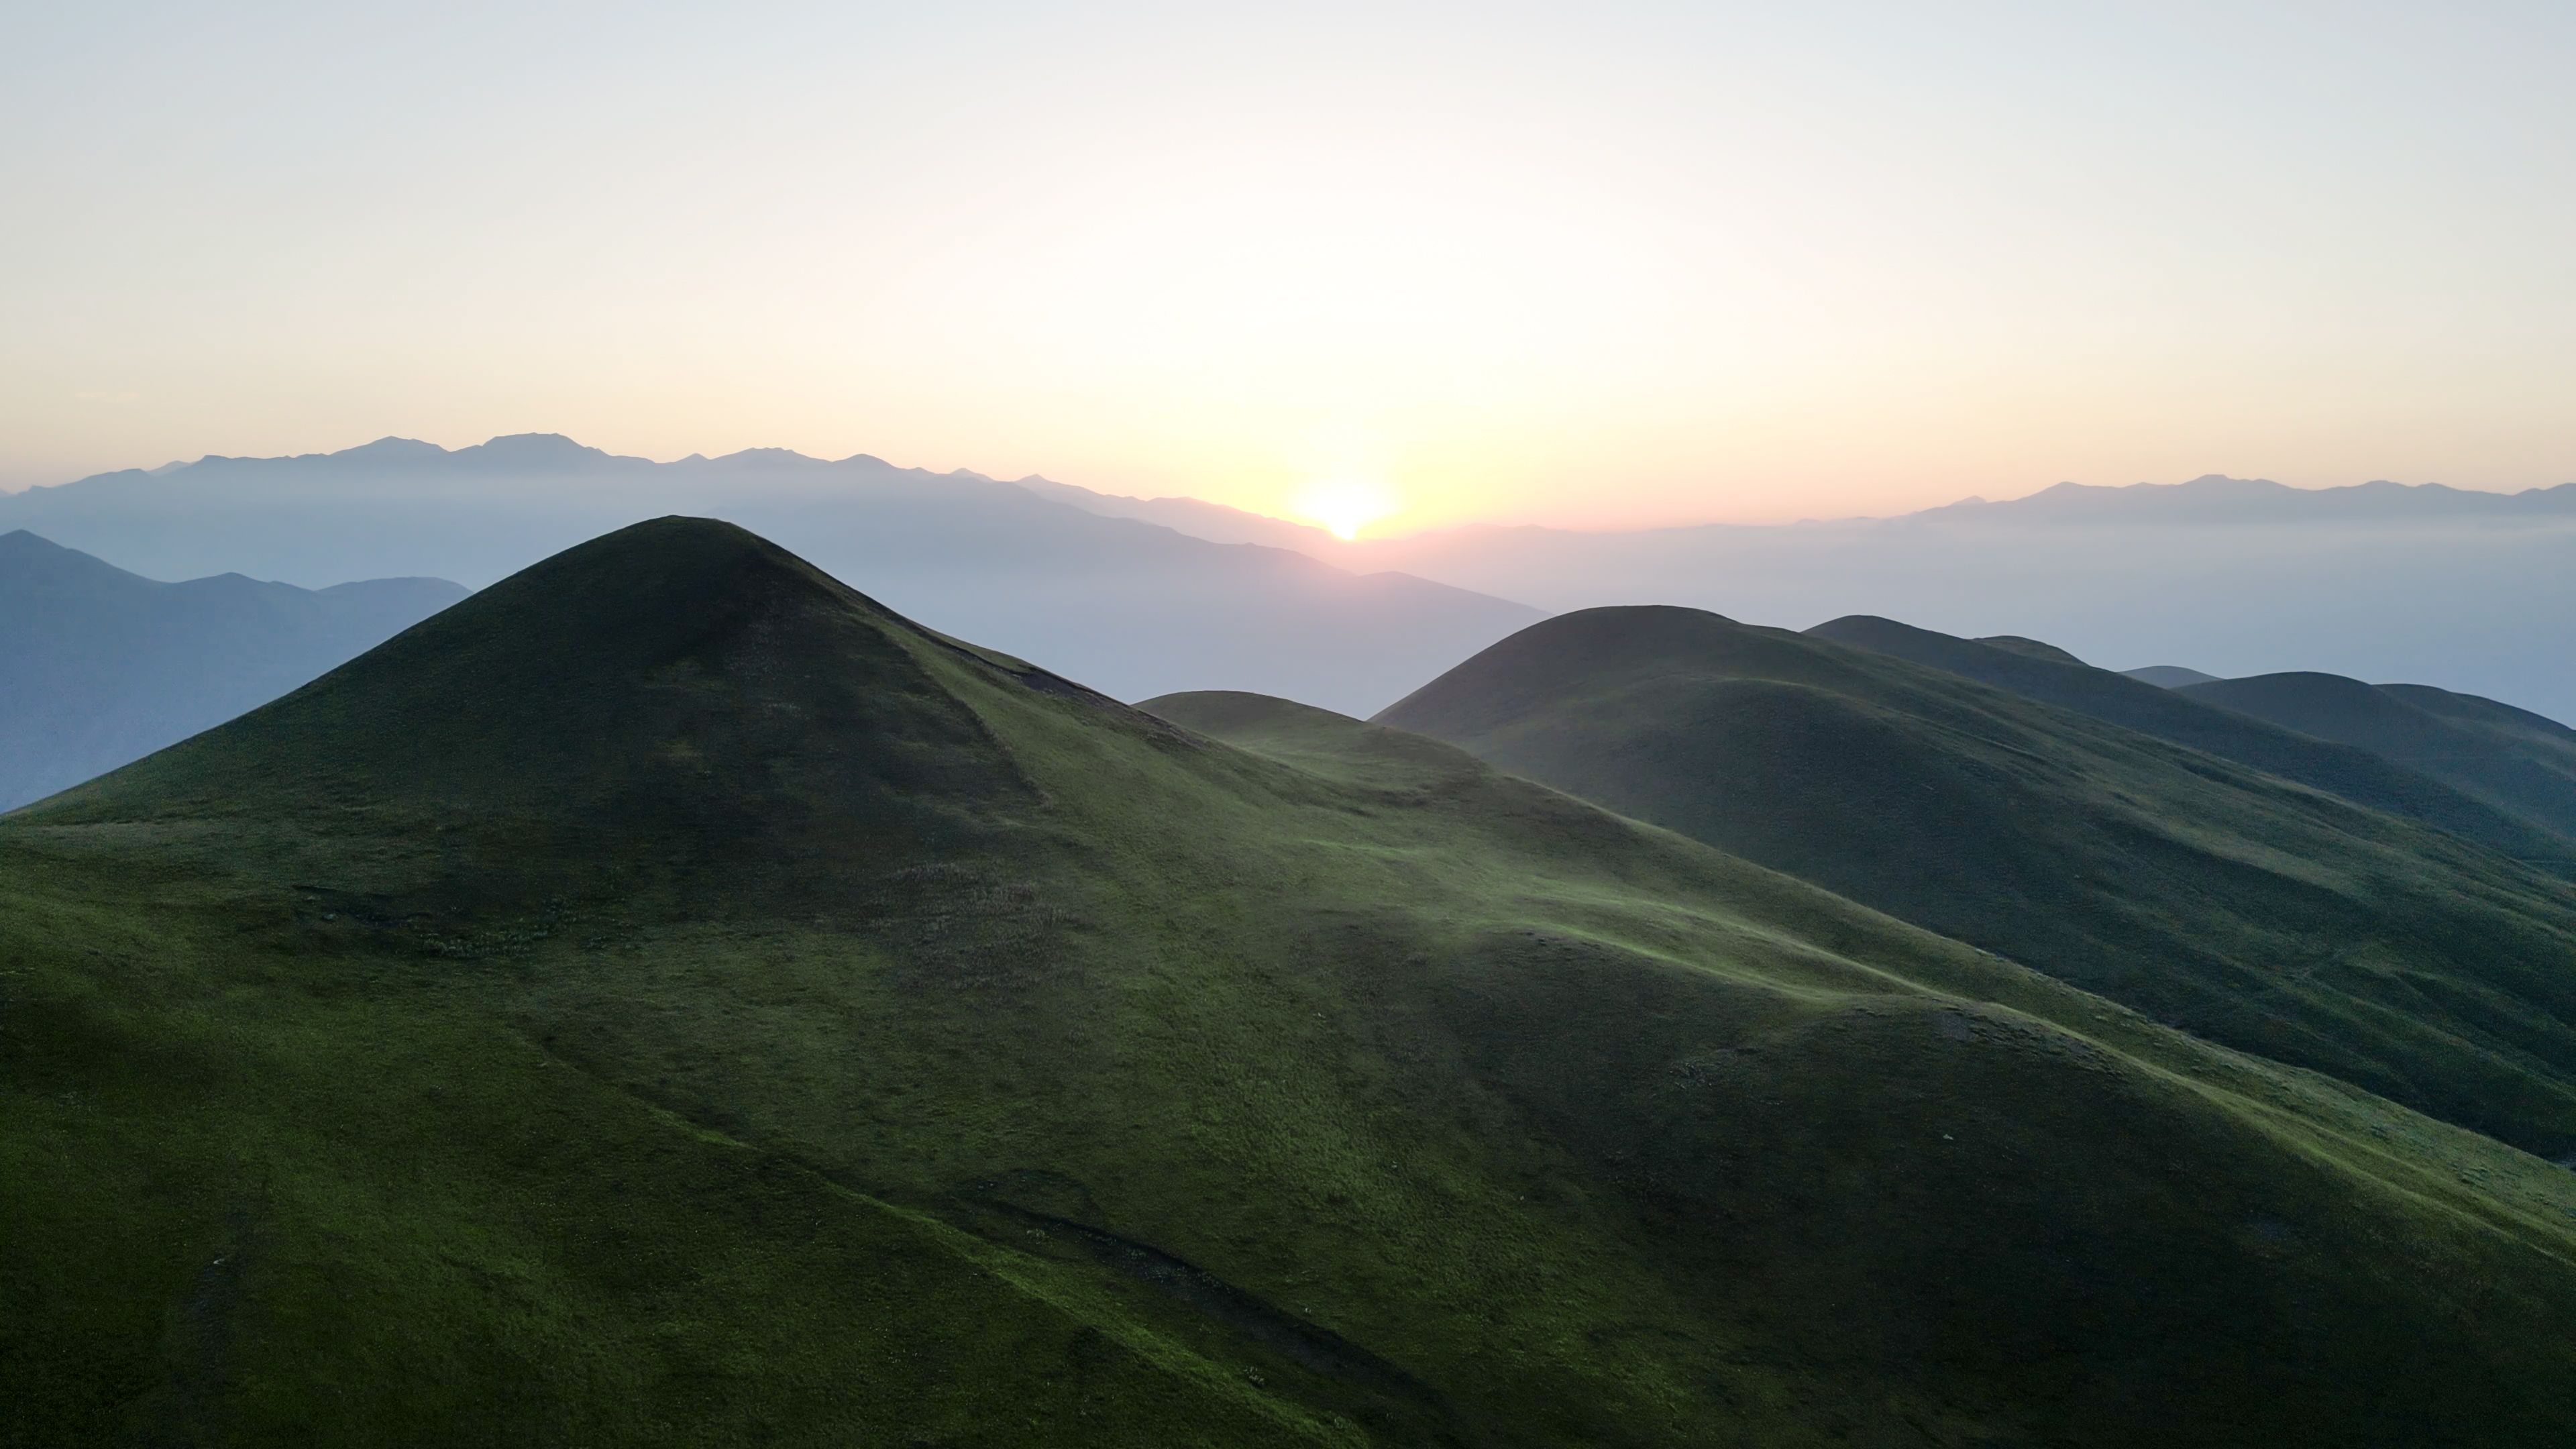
[(2169, 676), (668, 998), (2016, 644), (2512, 759), (99, 666), (2356, 774), (2237, 906)]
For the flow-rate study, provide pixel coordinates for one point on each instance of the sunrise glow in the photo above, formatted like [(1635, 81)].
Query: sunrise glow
[(1344, 508)]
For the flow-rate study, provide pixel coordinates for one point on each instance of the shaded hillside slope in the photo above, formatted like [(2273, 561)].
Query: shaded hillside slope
[(2354, 773), (2169, 676), (2248, 910), (99, 666), (678, 1001), (2016, 644), (2514, 760)]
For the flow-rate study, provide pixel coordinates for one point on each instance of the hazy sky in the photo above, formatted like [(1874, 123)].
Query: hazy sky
[(1589, 264)]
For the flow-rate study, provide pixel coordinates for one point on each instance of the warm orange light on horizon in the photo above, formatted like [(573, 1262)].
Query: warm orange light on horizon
[(1345, 507)]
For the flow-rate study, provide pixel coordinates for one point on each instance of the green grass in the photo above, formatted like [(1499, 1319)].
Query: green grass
[(2516, 761), (2359, 773), (2239, 906), (668, 1000)]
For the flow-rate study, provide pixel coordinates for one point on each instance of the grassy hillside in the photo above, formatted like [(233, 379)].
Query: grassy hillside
[(2036, 649), (2169, 676), (2514, 760), (668, 999), (99, 667), (2248, 910), (2354, 773)]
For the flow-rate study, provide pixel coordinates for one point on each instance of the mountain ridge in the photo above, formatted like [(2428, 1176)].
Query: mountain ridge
[(1133, 606), (2512, 759), (1083, 1077), (99, 666), (2363, 776), (2273, 917)]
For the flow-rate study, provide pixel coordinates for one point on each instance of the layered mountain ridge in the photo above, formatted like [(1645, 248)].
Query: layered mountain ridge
[(99, 666), (2271, 916), (1132, 607)]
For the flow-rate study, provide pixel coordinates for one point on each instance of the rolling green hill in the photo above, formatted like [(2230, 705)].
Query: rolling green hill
[(2241, 907), (2516, 761), (669, 999), (2016, 644), (2169, 676), (2352, 772)]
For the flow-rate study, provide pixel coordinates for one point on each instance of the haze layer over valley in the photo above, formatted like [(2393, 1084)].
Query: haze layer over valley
[(2465, 590), (1128, 607)]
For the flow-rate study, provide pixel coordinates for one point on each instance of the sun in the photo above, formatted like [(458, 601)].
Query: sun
[(1346, 507)]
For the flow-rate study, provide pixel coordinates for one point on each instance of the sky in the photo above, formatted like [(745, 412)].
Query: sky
[(1593, 265)]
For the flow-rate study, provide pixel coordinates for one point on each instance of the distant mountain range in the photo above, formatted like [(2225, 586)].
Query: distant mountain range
[(2461, 590), (1198, 518), (1128, 606), (99, 666), (2217, 498)]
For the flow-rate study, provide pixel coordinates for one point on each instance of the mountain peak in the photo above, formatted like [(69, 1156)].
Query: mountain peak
[(681, 686), (766, 458), (31, 558), (392, 449), (548, 451)]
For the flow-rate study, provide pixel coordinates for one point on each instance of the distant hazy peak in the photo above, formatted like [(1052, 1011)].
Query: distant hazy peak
[(760, 457), (31, 557), (2218, 498), (538, 450), (389, 449), (1214, 522)]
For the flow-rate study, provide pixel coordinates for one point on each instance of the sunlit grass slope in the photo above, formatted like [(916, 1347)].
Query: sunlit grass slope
[(2242, 907), (667, 999)]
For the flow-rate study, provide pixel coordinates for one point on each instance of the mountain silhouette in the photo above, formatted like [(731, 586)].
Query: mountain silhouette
[(99, 666), (2217, 498), (1131, 607)]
